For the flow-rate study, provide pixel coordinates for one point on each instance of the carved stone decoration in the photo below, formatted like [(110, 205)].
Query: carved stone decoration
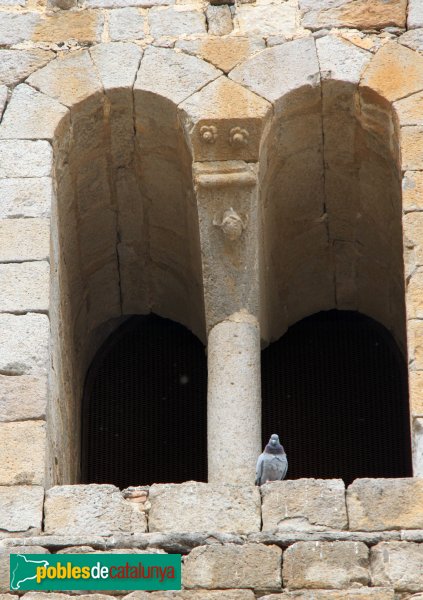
[(232, 224), (238, 137), (208, 134)]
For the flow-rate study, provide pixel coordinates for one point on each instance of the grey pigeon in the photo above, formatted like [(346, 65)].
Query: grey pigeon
[(272, 464)]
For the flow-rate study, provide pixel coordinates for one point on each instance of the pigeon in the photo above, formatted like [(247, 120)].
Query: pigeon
[(272, 464)]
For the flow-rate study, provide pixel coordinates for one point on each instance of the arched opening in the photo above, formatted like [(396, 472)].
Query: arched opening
[(335, 389), (145, 406)]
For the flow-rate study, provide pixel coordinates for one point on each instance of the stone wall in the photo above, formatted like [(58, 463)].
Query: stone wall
[(308, 535)]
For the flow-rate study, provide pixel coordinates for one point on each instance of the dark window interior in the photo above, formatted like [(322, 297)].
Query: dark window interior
[(144, 407), (335, 390)]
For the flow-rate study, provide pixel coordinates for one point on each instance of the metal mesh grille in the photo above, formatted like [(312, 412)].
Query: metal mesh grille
[(335, 389), (144, 413)]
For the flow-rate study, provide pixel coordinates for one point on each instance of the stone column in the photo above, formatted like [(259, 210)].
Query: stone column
[(227, 200), (234, 399)]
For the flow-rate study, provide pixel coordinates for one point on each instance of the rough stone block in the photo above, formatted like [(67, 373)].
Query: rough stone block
[(117, 64), (24, 239), (17, 27), (127, 24), (22, 398), (21, 509), (224, 53), (219, 20), (175, 22), (414, 298), (415, 343), (22, 453), (16, 65), (84, 26), (269, 19), (410, 109), (200, 595), (70, 80), (196, 506), (277, 72), (418, 447), (412, 191), (31, 115), (25, 158), (380, 504), (23, 344), (304, 504), (172, 75), (341, 61), (90, 509), (412, 148), (359, 14), (4, 563), (415, 14), (27, 197), (231, 566), (24, 287), (413, 234), (398, 565), (3, 98), (394, 73), (412, 39), (416, 392), (352, 594), (126, 3), (327, 565)]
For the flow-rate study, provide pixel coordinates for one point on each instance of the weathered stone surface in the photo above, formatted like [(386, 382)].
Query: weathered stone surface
[(340, 60), (414, 298), (21, 508), (196, 506), (219, 20), (224, 53), (117, 64), (173, 75), (398, 565), (22, 453), (394, 73), (224, 100), (26, 197), (415, 14), (416, 378), (176, 21), (127, 24), (4, 563), (24, 158), (327, 565), (15, 65), (413, 234), (25, 287), (418, 447), (230, 566), (415, 343), (31, 115), (69, 80), (279, 71), (4, 91), (412, 39), (24, 239), (270, 19), (85, 26), (199, 595), (16, 28), (90, 509), (23, 343), (412, 148), (379, 504), (410, 109), (22, 398), (125, 3), (360, 14), (304, 504), (352, 594)]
